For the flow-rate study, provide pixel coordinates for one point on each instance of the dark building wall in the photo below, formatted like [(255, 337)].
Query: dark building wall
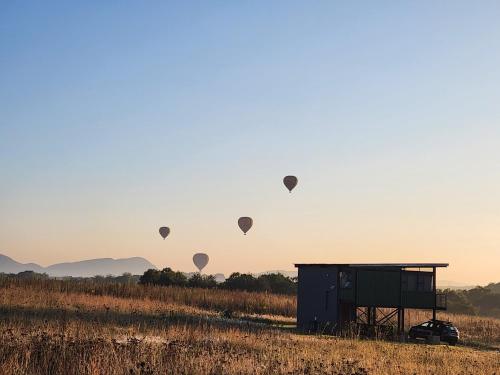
[(379, 288), (395, 288), (317, 295), (417, 289), (330, 293)]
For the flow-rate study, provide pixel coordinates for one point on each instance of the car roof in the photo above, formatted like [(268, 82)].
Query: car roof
[(439, 322)]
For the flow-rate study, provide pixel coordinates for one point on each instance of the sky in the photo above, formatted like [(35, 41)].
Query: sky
[(117, 118)]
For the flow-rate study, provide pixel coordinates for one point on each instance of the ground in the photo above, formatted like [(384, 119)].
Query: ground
[(69, 327)]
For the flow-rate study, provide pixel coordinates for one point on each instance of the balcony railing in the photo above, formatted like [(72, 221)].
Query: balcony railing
[(441, 301)]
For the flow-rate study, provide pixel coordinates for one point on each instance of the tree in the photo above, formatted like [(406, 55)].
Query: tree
[(151, 276), (164, 277), (239, 281), (202, 281), (458, 303), (277, 283), (170, 277), (32, 275)]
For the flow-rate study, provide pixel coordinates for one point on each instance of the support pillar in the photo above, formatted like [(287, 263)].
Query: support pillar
[(400, 320), (434, 292), (403, 320)]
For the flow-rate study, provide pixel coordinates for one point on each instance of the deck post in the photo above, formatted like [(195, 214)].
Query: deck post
[(399, 321), (403, 321), (434, 292)]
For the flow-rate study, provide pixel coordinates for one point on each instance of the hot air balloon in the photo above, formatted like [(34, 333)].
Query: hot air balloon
[(164, 232), (200, 260), (245, 223), (290, 182)]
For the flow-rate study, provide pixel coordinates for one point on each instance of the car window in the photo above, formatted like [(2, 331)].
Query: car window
[(425, 325)]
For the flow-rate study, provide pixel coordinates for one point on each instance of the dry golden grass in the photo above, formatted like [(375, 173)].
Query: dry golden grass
[(213, 299), (54, 331), (474, 330)]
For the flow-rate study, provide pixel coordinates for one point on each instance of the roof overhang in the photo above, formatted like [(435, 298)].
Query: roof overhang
[(385, 265)]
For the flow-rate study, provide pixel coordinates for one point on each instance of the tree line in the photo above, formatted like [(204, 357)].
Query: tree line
[(483, 301), (272, 283)]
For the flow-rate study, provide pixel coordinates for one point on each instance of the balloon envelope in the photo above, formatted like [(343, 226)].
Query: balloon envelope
[(245, 223), (200, 260), (290, 182), (164, 232)]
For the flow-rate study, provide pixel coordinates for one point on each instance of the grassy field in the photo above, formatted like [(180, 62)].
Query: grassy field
[(65, 327)]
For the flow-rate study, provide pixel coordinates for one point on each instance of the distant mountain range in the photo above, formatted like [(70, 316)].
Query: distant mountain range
[(84, 268), (454, 285)]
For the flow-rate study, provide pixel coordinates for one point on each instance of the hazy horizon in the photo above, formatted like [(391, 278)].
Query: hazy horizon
[(119, 119), (287, 272)]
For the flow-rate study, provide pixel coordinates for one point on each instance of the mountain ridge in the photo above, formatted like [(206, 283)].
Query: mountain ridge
[(83, 268)]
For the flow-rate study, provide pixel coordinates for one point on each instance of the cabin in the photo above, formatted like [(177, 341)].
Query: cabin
[(333, 296)]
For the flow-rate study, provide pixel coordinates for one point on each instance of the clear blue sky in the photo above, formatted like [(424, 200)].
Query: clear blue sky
[(119, 117)]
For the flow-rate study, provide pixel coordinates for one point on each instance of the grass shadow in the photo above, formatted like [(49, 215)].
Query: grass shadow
[(128, 319)]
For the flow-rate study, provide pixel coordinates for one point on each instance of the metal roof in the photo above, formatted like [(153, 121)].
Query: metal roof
[(395, 265)]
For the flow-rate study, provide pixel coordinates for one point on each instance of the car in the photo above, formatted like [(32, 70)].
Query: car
[(445, 330)]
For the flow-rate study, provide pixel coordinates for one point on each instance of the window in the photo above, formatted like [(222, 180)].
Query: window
[(417, 281), (412, 281), (346, 279), (427, 283)]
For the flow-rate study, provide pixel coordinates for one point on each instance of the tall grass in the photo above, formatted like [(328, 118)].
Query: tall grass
[(473, 329), (213, 299), (56, 327), (199, 351)]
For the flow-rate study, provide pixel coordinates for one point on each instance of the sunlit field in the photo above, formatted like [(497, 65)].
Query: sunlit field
[(67, 327)]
